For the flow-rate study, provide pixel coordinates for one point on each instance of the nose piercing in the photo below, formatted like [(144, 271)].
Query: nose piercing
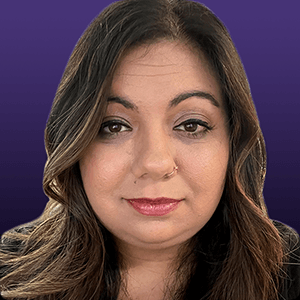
[(175, 169), (172, 173)]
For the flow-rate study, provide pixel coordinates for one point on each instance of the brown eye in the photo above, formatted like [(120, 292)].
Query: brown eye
[(112, 128), (191, 127), (115, 127)]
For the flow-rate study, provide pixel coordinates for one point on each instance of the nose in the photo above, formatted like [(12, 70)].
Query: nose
[(154, 156)]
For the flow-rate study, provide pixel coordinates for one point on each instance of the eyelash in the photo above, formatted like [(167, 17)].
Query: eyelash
[(206, 128), (106, 124), (195, 134)]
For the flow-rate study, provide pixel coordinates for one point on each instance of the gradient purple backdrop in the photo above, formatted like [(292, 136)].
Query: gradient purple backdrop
[(37, 38)]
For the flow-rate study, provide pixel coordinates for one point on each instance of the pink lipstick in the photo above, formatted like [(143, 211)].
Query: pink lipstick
[(154, 207)]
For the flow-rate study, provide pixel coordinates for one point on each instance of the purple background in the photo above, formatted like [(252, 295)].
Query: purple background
[(37, 38)]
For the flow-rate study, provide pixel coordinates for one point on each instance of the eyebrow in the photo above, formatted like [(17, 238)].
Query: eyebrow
[(174, 102), (127, 104), (199, 94)]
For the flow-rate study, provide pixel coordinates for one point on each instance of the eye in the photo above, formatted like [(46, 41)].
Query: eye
[(193, 127), (112, 128)]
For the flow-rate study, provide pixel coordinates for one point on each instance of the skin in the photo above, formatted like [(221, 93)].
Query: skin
[(132, 161)]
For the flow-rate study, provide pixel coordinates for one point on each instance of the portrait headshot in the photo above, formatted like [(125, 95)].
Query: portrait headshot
[(150, 151)]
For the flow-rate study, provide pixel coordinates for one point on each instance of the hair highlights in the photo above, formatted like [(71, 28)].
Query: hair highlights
[(57, 258)]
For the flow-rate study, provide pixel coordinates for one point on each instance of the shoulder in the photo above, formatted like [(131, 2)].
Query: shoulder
[(291, 287)]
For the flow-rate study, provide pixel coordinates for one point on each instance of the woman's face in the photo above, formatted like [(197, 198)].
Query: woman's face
[(165, 110)]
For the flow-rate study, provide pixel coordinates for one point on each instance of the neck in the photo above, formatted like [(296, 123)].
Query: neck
[(146, 273)]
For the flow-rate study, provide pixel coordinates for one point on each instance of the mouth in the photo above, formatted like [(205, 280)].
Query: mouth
[(154, 207)]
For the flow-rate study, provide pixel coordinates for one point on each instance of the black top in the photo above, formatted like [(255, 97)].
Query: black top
[(291, 287)]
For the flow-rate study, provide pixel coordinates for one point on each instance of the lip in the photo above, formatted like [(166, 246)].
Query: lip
[(154, 206)]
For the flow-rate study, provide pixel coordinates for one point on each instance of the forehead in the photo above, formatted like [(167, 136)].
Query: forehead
[(162, 55), (164, 70)]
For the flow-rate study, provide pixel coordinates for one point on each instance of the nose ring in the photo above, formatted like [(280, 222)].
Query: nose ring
[(167, 175), (172, 173)]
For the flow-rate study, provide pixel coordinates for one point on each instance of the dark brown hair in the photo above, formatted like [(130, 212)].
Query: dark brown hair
[(239, 252)]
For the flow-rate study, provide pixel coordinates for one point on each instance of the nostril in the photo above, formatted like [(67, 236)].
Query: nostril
[(168, 175), (153, 158)]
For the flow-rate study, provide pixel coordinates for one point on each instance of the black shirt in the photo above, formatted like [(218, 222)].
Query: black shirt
[(291, 287)]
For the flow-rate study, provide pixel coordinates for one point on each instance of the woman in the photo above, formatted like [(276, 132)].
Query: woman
[(155, 170)]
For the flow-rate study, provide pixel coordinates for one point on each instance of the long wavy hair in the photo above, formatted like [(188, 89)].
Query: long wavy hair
[(67, 253)]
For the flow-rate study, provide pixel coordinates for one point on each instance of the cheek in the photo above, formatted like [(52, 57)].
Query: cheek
[(205, 167), (101, 173), (101, 170)]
